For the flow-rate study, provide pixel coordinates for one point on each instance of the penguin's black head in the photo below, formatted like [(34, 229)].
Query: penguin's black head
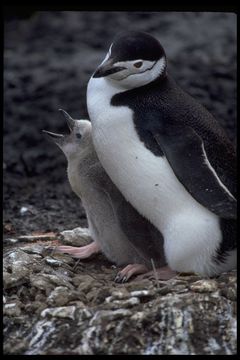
[(134, 59), (136, 45)]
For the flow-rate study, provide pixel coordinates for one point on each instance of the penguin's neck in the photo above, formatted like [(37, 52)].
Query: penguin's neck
[(102, 113), (101, 92), (78, 169)]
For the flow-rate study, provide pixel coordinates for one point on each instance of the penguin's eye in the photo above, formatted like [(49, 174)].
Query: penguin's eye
[(78, 136), (138, 64)]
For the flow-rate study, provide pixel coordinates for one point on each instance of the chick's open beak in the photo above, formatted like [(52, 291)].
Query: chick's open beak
[(68, 118), (57, 138)]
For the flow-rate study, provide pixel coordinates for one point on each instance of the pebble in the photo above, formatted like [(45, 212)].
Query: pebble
[(139, 315), (109, 315), (230, 292), (85, 282), (64, 258), (142, 293), (33, 249), (82, 314), (203, 286), (44, 281), (120, 294), (12, 309), (61, 295), (76, 237), (126, 303), (59, 312), (27, 210), (23, 210), (10, 241), (53, 262), (17, 266)]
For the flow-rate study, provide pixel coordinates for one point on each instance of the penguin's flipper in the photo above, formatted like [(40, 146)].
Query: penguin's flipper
[(184, 150)]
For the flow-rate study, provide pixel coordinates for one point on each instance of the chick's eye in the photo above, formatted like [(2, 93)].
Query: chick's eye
[(138, 64), (78, 136)]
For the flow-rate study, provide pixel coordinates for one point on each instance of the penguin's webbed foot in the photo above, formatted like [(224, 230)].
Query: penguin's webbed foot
[(162, 273), (132, 269), (83, 252)]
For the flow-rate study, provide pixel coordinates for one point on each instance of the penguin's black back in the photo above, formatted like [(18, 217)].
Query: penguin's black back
[(164, 101)]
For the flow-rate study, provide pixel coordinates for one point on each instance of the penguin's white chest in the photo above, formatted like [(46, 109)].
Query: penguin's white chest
[(146, 180)]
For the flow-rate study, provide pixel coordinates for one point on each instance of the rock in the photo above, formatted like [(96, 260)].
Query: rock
[(61, 295), (35, 308), (120, 294), (127, 303), (230, 292), (203, 286), (97, 295), (138, 285), (64, 258), (123, 299), (109, 315), (23, 210), (33, 249), (76, 237), (83, 314), (10, 241), (41, 282), (49, 281), (59, 312), (17, 265), (85, 282), (142, 293), (12, 309), (53, 262), (39, 336)]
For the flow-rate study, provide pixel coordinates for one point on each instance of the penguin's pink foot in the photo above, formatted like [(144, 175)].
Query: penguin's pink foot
[(82, 252), (132, 269), (163, 273)]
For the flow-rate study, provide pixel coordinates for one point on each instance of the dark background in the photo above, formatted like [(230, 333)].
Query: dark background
[(49, 57)]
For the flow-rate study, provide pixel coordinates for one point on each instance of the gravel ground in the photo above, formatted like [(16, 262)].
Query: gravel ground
[(53, 305)]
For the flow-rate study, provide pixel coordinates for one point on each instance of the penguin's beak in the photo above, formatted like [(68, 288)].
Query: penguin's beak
[(57, 138), (107, 68), (68, 118)]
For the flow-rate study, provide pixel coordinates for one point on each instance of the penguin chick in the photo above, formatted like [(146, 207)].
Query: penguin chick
[(172, 160), (118, 230)]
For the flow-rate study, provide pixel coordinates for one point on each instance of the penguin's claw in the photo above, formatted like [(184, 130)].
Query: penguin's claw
[(126, 273)]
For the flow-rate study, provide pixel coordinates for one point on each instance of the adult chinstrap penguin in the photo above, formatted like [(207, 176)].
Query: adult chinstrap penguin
[(166, 153)]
